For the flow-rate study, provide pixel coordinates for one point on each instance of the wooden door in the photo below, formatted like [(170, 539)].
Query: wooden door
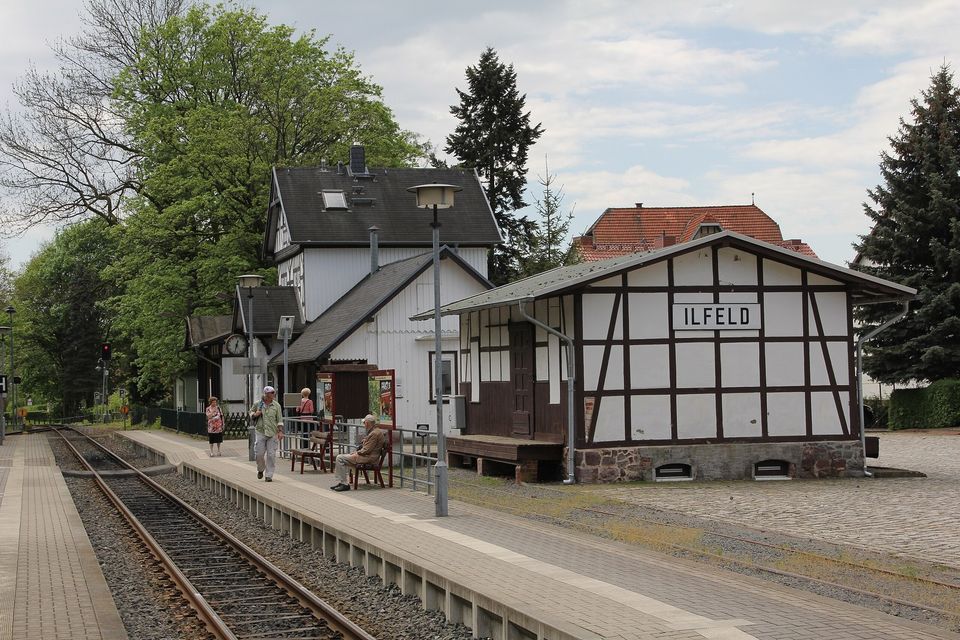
[(521, 375)]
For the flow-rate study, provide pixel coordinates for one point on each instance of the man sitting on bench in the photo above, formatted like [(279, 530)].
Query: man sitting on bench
[(368, 452)]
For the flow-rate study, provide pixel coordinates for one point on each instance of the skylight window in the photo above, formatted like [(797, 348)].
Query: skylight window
[(334, 200)]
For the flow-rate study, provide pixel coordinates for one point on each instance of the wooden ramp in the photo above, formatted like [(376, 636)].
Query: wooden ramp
[(495, 454)]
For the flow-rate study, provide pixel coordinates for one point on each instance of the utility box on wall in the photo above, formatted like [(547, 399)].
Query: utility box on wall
[(455, 415)]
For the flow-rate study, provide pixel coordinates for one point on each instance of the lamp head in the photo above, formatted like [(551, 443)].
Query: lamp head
[(438, 195), (250, 280), (10, 310)]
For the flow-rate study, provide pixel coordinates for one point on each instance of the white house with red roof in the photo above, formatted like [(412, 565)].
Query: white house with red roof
[(623, 230)]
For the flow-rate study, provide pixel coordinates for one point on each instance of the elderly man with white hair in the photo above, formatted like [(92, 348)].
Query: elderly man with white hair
[(368, 451), (269, 428)]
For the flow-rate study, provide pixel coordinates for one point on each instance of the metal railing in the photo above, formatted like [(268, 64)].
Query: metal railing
[(406, 465)]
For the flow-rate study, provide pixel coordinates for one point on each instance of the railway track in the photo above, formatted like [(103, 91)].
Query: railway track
[(932, 594), (236, 593)]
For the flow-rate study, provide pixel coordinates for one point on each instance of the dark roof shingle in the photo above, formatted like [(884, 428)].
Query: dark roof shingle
[(269, 303), (382, 200)]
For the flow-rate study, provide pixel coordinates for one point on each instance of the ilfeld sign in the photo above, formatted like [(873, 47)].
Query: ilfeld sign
[(726, 316)]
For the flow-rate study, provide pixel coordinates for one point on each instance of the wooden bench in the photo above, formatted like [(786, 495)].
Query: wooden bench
[(321, 445)]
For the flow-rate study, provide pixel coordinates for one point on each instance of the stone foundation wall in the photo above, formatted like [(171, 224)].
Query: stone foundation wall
[(731, 461)]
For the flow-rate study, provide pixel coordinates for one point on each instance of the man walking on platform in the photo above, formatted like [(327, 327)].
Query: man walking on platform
[(368, 452), (269, 428)]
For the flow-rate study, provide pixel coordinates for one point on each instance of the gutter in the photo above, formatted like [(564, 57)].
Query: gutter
[(571, 379), (860, 341)]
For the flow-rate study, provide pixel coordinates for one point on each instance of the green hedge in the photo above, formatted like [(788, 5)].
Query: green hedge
[(934, 407)]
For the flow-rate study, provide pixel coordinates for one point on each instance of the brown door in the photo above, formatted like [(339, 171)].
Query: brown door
[(521, 374)]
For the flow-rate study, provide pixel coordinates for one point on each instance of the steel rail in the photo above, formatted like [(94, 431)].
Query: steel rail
[(198, 603), (319, 607)]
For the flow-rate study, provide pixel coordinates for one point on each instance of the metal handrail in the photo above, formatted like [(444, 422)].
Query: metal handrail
[(409, 467)]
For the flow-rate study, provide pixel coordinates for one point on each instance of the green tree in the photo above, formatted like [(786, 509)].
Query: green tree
[(215, 98), (493, 137), (61, 317), (915, 240), (548, 245)]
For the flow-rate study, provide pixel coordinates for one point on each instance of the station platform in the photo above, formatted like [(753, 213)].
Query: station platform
[(51, 586), (513, 579)]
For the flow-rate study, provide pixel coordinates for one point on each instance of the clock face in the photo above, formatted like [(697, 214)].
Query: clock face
[(236, 345)]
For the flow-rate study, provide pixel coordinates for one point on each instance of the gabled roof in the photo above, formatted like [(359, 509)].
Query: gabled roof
[(362, 302), (269, 303), (380, 198), (203, 330), (619, 231), (864, 287)]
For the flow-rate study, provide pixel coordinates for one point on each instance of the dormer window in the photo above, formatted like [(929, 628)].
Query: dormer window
[(334, 200), (707, 228)]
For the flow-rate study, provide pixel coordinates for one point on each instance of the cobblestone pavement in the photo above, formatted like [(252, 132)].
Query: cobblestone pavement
[(917, 517)]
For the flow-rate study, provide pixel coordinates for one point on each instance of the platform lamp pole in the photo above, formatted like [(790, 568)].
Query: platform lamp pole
[(13, 372), (437, 196), (248, 282), (3, 367)]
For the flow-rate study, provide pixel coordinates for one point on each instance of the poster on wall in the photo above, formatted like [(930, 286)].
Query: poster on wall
[(324, 395), (382, 396)]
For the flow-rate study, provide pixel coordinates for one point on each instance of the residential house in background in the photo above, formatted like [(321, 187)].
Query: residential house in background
[(622, 230)]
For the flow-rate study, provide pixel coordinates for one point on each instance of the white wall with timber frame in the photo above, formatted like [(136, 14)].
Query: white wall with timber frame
[(643, 381)]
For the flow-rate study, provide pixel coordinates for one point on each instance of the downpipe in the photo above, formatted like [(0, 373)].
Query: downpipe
[(860, 341), (571, 379)]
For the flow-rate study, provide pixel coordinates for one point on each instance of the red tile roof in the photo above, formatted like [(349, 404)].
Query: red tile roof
[(627, 230)]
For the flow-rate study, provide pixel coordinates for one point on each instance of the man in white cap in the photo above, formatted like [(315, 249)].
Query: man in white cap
[(368, 451), (269, 428)]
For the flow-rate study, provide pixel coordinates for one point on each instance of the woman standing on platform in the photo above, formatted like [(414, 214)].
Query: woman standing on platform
[(305, 410), (214, 424)]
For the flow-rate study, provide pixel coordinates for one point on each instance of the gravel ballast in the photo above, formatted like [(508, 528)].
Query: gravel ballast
[(142, 597)]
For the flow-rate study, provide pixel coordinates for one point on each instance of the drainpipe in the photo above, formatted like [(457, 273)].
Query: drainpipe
[(571, 380), (871, 334)]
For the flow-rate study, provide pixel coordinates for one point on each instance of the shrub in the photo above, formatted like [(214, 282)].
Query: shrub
[(934, 407), (879, 407)]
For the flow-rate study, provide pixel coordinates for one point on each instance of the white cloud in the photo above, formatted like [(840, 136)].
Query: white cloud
[(914, 27)]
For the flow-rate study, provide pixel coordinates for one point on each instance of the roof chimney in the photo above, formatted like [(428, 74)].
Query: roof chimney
[(374, 249), (358, 159), (639, 205)]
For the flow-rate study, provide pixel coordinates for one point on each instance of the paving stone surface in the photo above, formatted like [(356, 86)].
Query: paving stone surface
[(914, 517), (51, 587), (601, 588)]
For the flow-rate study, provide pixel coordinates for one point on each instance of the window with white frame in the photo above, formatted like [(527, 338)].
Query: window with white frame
[(334, 200), (448, 375)]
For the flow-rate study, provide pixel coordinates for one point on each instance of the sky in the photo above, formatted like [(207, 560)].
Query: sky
[(675, 103)]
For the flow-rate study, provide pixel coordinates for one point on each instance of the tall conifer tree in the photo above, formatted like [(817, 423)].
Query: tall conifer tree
[(915, 240), (493, 137)]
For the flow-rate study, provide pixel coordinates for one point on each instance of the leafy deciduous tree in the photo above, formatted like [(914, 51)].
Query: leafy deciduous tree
[(61, 319)]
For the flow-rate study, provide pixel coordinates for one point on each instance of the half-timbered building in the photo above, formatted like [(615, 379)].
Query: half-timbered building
[(722, 357)]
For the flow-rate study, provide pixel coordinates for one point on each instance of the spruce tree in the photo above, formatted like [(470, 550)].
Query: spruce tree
[(493, 137), (915, 240), (548, 246)]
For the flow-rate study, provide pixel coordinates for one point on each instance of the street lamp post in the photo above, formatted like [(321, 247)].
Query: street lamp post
[(249, 282), (13, 372), (3, 367), (437, 196)]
